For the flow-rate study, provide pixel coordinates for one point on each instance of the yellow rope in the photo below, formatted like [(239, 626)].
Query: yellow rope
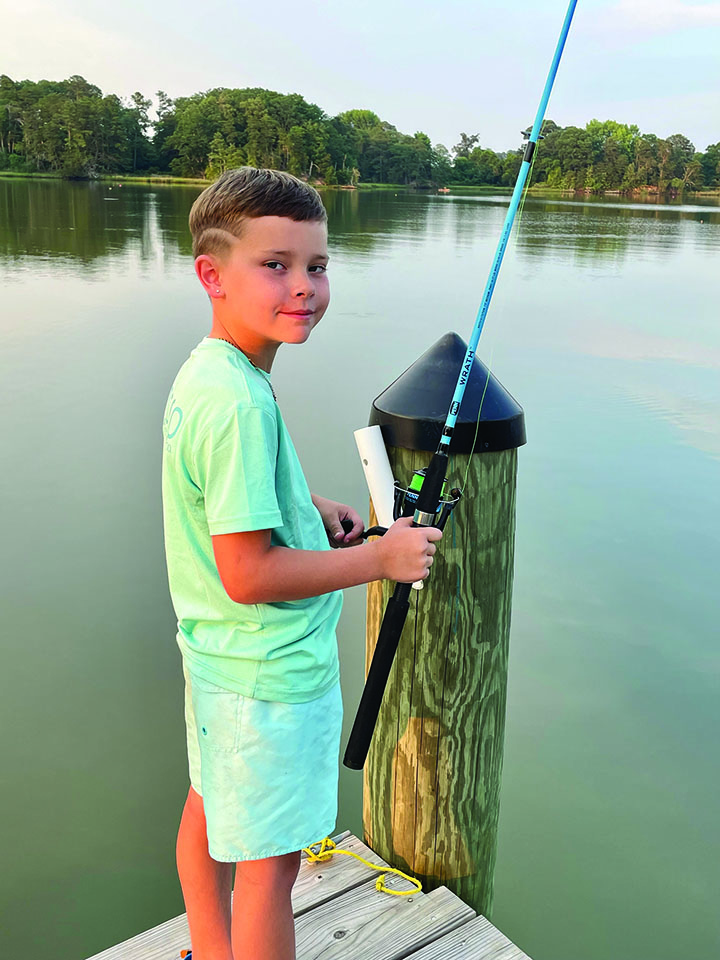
[(328, 848)]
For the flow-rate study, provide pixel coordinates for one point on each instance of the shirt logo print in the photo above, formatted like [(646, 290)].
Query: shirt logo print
[(172, 423)]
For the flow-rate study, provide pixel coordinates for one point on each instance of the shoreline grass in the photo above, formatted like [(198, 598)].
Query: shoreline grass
[(458, 188), (150, 178)]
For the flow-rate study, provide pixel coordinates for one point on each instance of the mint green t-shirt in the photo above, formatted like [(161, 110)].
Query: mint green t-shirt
[(230, 466)]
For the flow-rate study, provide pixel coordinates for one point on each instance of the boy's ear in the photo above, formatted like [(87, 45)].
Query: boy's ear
[(206, 268)]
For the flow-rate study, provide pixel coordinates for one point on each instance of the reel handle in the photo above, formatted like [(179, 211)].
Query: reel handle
[(371, 532), (347, 526)]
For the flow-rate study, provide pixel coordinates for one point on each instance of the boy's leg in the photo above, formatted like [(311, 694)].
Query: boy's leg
[(206, 885), (262, 919)]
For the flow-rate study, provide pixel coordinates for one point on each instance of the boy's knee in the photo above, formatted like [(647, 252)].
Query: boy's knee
[(273, 872)]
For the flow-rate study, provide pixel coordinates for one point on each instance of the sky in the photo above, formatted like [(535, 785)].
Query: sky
[(455, 66)]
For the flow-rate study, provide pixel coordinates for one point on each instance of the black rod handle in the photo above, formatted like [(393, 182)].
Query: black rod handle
[(393, 622), (392, 625), (431, 491)]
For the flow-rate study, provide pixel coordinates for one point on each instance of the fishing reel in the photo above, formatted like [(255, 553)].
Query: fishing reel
[(405, 503), (406, 499)]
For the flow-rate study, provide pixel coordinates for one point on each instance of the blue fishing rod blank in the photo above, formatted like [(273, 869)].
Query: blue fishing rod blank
[(505, 235)]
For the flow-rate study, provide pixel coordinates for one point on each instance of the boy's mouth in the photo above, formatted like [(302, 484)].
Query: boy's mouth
[(298, 313)]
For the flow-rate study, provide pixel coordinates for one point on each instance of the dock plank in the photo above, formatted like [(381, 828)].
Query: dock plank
[(341, 916), (161, 943), (476, 940), (366, 924)]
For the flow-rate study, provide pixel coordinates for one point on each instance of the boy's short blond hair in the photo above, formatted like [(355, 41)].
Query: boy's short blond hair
[(217, 215)]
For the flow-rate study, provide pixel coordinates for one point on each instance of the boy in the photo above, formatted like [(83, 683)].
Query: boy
[(253, 580)]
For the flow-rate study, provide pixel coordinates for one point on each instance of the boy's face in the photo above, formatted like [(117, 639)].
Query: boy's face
[(274, 285)]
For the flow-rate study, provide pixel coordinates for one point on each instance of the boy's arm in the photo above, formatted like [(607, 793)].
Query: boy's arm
[(253, 571)]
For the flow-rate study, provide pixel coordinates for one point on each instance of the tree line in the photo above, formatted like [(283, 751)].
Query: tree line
[(70, 128)]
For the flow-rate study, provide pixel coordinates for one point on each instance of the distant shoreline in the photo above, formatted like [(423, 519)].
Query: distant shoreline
[(539, 189)]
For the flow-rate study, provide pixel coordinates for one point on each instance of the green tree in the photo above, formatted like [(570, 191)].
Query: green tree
[(76, 120), (164, 128), (441, 168), (11, 132), (139, 125), (486, 167), (343, 148), (222, 156), (568, 152), (555, 175), (421, 159), (622, 134), (665, 165), (630, 180), (362, 120), (595, 180), (548, 127), (613, 163), (692, 175), (294, 142), (262, 134), (320, 161), (190, 140), (647, 158), (710, 162), (682, 153), (79, 89), (511, 164), (466, 145)]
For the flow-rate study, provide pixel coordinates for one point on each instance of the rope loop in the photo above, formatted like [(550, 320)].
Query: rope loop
[(328, 848)]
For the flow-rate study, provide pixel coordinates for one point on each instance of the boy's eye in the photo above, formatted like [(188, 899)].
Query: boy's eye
[(275, 265)]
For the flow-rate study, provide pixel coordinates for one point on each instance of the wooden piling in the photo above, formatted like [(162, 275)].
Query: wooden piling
[(432, 779)]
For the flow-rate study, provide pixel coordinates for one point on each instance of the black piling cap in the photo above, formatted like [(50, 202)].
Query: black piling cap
[(413, 409)]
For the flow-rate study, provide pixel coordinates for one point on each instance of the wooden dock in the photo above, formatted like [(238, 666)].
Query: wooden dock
[(339, 915)]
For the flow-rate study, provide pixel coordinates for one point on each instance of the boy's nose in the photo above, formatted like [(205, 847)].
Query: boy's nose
[(303, 287)]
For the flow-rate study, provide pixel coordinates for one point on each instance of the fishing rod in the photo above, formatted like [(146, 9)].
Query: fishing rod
[(428, 505)]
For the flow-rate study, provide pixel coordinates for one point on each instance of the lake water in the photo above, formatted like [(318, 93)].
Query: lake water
[(604, 326)]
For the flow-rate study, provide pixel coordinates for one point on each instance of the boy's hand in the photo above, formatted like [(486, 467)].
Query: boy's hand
[(406, 552), (333, 514)]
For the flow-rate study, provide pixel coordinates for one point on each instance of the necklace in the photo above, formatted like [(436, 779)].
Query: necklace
[(251, 364)]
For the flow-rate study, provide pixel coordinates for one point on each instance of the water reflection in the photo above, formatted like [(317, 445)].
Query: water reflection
[(695, 419), (89, 222), (95, 223)]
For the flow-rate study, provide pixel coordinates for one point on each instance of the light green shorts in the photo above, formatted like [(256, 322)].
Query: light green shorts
[(267, 771)]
